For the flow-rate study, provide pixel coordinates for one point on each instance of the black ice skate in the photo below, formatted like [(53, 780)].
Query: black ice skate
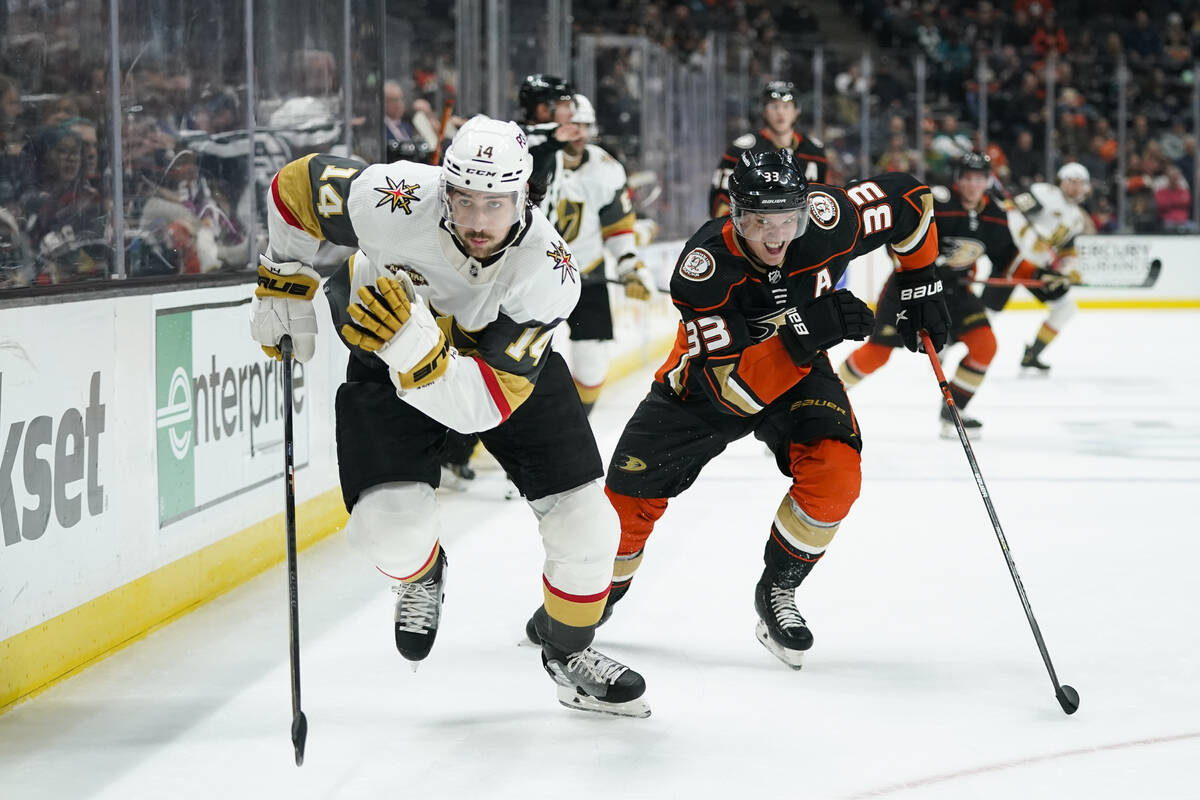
[(973, 426), (457, 477), (591, 681), (418, 610), (780, 627), (1030, 361)]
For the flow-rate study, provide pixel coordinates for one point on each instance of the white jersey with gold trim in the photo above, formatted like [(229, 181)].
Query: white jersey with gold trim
[(1045, 224), (590, 206)]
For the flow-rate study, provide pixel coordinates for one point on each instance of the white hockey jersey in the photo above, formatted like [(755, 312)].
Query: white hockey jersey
[(590, 206), (499, 313), (1045, 225)]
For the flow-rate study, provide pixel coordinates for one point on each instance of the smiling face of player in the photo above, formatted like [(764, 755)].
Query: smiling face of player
[(767, 234), (481, 220)]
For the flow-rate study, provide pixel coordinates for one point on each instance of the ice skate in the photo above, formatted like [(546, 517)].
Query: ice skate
[(418, 611), (591, 681), (457, 477), (973, 426), (780, 627), (1031, 364)]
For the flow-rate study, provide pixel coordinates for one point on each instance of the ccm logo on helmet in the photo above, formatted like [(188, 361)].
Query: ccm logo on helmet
[(917, 292), (484, 172)]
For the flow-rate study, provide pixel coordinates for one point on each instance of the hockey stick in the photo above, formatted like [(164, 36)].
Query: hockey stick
[(447, 108), (1033, 283), (616, 282), (1068, 698), (299, 721)]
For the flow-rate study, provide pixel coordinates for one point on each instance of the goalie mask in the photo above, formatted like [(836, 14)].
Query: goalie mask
[(484, 176), (768, 197)]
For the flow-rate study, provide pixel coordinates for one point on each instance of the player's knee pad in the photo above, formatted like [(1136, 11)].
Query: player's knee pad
[(981, 347), (579, 533), (396, 525), (826, 479), (1061, 311), (589, 361)]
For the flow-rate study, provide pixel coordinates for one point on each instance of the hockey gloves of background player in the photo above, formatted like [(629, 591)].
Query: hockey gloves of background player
[(922, 308), (829, 319), (392, 323), (1054, 284), (283, 306), (632, 272)]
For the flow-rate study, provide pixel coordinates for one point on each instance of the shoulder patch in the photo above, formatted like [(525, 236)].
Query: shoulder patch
[(745, 141), (698, 265), (940, 194), (563, 262), (398, 195), (823, 209)]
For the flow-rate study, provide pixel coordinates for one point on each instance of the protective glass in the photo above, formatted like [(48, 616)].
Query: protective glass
[(469, 209), (770, 225)]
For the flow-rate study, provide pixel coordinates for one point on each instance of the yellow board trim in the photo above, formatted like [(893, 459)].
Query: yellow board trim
[(58, 648), (1175, 302)]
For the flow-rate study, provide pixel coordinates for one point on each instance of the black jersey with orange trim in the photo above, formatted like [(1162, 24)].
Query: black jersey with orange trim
[(809, 153), (965, 235), (727, 351)]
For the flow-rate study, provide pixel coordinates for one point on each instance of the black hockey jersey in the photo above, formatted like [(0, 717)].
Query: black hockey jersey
[(809, 152), (726, 350), (965, 235)]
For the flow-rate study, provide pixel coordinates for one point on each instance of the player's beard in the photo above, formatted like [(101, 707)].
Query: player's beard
[(479, 243)]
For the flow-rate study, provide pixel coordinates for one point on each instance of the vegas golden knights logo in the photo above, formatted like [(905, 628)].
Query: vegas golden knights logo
[(570, 218)]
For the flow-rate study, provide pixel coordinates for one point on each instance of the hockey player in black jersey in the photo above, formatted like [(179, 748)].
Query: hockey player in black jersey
[(755, 293), (779, 110), (970, 225)]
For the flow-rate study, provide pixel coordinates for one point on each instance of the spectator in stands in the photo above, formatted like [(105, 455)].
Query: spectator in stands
[(1093, 158), (1142, 42), (1024, 163), (1143, 215), (898, 157), (397, 126), (11, 142), (1104, 218), (1174, 202), (88, 133)]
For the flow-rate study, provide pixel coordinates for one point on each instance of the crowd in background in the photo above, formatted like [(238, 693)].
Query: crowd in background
[(188, 185)]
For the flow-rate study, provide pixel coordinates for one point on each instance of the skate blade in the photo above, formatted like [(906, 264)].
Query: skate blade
[(454, 482), (793, 658), (949, 431), (569, 697), (1032, 372)]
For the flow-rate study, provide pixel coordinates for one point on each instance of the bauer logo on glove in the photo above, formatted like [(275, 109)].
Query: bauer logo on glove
[(390, 321)]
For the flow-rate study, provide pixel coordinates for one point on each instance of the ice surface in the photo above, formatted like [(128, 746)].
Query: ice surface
[(924, 681)]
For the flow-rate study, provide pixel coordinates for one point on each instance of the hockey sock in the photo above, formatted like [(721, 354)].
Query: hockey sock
[(862, 362), (981, 349), (1045, 336)]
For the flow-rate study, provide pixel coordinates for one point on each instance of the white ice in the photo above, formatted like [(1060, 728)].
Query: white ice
[(924, 682)]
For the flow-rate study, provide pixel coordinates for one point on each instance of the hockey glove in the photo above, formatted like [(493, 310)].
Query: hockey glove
[(922, 308), (633, 273), (391, 322), (829, 319), (283, 306), (1054, 284)]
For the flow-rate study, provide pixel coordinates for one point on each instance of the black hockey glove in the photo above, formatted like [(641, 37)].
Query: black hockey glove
[(922, 308), (1054, 284), (829, 319)]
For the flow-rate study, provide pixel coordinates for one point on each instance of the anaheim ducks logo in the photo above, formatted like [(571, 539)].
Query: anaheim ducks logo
[(399, 195), (698, 265), (764, 327), (823, 210), (632, 464), (561, 257), (960, 251)]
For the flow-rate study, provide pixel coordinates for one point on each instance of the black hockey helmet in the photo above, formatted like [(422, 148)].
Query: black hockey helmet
[(767, 194), (972, 162), (539, 88), (779, 90)]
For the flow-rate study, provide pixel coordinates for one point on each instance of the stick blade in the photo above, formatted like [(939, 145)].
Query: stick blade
[(300, 734), (1068, 698)]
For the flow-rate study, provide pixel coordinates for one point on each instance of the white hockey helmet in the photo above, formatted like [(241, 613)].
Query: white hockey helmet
[(487, 156), (1075, 181), (585, 113)]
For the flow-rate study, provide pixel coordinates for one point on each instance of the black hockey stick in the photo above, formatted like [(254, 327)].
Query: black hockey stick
[(1034, 283), (1068, 698), (299, 721)]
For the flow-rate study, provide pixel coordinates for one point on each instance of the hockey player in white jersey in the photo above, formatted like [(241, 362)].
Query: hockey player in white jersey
[(448, 308), (1045, 221), (588, 201)]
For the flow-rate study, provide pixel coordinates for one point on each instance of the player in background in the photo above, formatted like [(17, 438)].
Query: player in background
[(448, 308), (755, 293), (1046, 221), (589, 203), (970, 225), (780, 112), (547, 104)]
